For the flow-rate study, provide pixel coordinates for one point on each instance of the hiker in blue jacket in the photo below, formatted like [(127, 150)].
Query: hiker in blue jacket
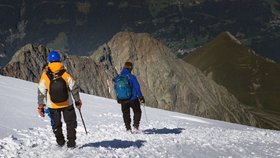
[(134, 100)]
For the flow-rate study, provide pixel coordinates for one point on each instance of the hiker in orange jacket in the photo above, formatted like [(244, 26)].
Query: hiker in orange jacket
[(56, 87)]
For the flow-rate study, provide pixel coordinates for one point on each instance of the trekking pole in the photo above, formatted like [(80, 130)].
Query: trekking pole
[(145, 113), (83, 121)]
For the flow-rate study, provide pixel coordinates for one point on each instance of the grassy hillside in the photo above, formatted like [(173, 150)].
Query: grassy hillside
[(254, 80)]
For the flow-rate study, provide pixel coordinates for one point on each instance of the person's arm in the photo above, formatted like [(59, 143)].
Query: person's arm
[(42, 89), (138, 90), (41, 97), (42, 92), (137, 87), (75, 89)]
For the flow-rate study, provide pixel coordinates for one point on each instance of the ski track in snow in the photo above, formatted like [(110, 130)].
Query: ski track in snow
[(164, 134)]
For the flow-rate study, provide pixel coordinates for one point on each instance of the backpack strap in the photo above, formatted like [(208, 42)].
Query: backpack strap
[(52, 75), (128, 78), (116, 78), (59, 73), (49, 73)]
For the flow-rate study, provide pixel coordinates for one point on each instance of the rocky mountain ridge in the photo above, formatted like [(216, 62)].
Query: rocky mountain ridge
[(166, 81), (254, 80), (29, 61)]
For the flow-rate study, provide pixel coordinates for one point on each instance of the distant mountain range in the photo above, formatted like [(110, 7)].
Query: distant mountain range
[(254, 80), (79, 26), (167, 82)]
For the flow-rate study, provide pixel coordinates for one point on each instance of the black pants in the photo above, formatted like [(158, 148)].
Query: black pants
[(135, 105), (70, 119)]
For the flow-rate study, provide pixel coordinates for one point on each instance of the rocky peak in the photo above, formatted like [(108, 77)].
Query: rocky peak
[(251, 78), (228, 36), (28, 63), (172, 84), (166, 81)]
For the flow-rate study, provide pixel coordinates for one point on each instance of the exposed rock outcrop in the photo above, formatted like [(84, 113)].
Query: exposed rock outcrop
[(252, 79), (27, 63), (92, 76), (166, 81), (172, 84)]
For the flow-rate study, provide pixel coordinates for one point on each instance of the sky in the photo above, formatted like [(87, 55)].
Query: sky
[(162, 133)]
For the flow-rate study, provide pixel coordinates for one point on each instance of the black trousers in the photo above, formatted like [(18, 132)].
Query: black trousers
[(135, 105), (70, 119)]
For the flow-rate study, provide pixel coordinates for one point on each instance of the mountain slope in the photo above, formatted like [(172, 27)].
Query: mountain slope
[(29, 61), (165, 134), (255, 81), (170, 83), (252, 79), (167, 82)]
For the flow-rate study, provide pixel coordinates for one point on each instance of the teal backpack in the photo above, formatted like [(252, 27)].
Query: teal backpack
[(123, 89)]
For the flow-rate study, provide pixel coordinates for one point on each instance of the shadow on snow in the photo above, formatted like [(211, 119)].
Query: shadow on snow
[(116, 143), (164, 131)]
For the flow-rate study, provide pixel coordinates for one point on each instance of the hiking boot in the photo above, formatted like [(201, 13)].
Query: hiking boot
[(128, 128), (59, 136), (136, 128), (71, 144), (129, 131), (60, 142)]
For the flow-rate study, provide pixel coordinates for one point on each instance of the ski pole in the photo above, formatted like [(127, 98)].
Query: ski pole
[(83, 121), (145, 112)]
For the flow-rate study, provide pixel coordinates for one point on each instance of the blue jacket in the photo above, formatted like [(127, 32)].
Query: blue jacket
[(136, 91)]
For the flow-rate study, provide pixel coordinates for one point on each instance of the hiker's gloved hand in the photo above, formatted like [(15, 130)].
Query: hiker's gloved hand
[(78, 104), (141, 99), (41, 111)]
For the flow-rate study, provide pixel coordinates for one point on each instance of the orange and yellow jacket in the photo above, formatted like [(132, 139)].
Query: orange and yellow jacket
[(44, 84)]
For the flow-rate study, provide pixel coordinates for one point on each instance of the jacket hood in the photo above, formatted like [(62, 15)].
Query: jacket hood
[(56, 66)]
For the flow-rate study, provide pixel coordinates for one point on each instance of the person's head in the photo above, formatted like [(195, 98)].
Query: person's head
[(53, 57), (128, 65)]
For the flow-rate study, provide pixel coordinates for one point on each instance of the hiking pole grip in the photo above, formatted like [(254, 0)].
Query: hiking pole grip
[(83, 121)]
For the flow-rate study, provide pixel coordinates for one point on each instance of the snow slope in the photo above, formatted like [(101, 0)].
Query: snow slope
[(164, 133)]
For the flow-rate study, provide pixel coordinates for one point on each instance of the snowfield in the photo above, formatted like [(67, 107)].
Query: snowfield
[(163, 133)]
